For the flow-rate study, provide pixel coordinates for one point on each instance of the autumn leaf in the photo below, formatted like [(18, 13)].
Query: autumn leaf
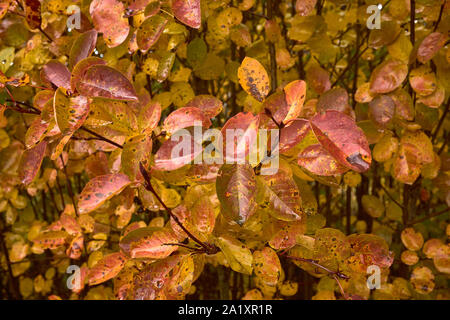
[(107, 268), (254, 78), (430, 46), (31, 161), (33, 13), (339, 135), (57, 73), (106, 82), (70, 113), (185, 117), (266, 266), (188, 12), (281, 195), (317, 160), (149, 31), (180, 150), (209, 105), (236, 190), (100, 189), (388, 76), (107, 16), (238, 255), (150, 243), (82, 47)]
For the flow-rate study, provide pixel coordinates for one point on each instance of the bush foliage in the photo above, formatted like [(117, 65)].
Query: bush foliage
[(96, 204)]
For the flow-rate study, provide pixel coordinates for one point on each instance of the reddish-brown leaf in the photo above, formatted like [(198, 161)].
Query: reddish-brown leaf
[(106, 82), (430, 46), (188, 12), (293, 134), (106, 268), (319, 161), (33, 13), (100, 189), (178, 151), (108, 18), (57, 73), (149, 31), (184, 118), (343, 139), (31, 161), (82, 47), (388, 76), (210, 105), (239, 134), (80, 68)]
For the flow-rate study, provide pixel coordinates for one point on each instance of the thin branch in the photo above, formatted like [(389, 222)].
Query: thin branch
[(101, 137), (412, 32), (391, 197), (208, 248), (69, 186), (441, 121), (443, 144), (316, 264), (272, 53), (440, 17), (350, 64), (432, 215)]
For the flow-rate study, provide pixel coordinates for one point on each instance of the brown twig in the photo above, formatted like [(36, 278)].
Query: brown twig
[(390, 196), (336, 275), (209, 249), (272, 53), (432, 215), (441, 121)]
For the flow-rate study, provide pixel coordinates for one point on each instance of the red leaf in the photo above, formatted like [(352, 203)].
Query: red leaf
[(149, 243), (210, 105), (177, 152), (31, 162), (388, 76), (185, 117), (293, 134), (106, 82), (343, 139), (108, 18), (100, 189), (80, 68), (57, 73), (241, 130), (149, 31), (317, 160), (188, 12), (82, 47), (33, 13), (430, 46), (106, 268)]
